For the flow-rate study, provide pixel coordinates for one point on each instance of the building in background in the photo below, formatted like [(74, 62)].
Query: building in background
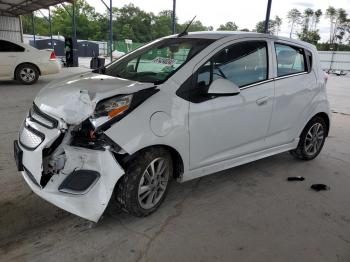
[(85, 47), (11, 28)]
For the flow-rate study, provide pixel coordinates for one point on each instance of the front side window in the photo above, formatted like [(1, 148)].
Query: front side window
[(6, 46), (290, 60), (244, 63), (157, 62)]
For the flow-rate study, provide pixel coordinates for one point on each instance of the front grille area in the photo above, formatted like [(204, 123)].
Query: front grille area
[(30, 138), (36, 115)]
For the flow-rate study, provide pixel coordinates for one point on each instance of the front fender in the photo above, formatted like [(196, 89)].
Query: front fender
[(160, 120)]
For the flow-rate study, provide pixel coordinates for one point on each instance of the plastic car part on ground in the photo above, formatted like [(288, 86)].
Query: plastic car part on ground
[(295, 178), (320, 187)]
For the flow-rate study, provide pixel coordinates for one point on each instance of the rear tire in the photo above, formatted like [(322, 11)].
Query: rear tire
[(311, 140), (145, 184), (27, 74)]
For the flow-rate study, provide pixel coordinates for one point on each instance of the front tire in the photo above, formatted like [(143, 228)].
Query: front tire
[(27, 74), (145, 184), (311, 140)]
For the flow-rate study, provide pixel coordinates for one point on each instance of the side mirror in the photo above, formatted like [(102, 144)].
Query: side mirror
[(223, 87)]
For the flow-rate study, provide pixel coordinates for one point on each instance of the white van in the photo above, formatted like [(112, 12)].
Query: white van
[(179, 107)]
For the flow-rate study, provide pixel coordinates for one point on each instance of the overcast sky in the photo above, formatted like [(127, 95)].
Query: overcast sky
[(245, 13)]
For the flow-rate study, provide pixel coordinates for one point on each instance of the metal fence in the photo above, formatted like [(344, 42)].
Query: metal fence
[(122, 46), (335, 60)]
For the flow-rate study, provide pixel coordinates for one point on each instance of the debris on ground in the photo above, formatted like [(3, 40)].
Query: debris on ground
[(295, 178), (320, 187)]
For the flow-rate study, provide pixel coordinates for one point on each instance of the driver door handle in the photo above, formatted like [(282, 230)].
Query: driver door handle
[(262, 101)]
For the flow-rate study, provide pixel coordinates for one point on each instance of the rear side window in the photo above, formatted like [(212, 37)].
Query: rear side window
[(290, 60), (309, 59), (6, 46), (243, 63)]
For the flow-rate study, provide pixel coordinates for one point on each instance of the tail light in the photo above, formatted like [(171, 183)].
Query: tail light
[(53, 56)]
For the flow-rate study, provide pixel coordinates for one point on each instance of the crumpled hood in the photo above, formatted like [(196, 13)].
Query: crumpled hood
[(74, 98)]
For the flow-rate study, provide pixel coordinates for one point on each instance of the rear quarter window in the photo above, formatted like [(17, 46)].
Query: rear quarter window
[(6, 46), (290, 60), (309, 60)]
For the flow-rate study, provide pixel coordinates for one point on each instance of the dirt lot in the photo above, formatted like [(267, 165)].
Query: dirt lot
[(248, 213)]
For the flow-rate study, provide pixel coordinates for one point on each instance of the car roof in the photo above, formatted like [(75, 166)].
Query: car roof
[(238, 34)]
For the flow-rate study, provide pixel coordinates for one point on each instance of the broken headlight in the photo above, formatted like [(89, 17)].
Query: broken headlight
[(109, 109)]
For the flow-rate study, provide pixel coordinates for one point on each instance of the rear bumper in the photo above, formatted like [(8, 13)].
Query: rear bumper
[(88, 202), (51, 67)]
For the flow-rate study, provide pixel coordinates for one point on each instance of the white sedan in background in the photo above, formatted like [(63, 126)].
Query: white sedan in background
[(25, 63)]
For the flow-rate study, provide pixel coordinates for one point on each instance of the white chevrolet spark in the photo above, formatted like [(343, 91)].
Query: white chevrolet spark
[(180, 107)]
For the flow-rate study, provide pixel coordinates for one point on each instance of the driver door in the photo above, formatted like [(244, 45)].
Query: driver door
[(226, 127)]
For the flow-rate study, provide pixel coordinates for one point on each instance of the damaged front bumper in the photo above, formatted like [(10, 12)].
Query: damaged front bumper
[(82, 184)]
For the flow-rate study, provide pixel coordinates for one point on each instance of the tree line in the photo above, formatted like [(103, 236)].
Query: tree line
[(305, 25), (130, 22)]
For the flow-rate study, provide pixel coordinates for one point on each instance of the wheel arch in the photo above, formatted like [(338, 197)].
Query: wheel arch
[(178, 164), (26, 63), (326, 119)]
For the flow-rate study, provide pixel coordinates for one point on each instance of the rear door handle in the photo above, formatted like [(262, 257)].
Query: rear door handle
[(262, 101), (11, 56)]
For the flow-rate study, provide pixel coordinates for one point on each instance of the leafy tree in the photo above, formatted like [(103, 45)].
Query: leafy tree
[(310, 36), (229, 26), (331, 15), (195, 26), (86, 20), (344, 32), (316, 18), (40, 23), (328, 47), (128, 22), (132, 23), (127, 32), (307, 17), (260, 27), (340, 24), (162, 24), (294, 18), (309, 32), (277, 24)]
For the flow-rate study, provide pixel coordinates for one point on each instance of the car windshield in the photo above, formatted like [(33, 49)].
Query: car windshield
[(158, 61)]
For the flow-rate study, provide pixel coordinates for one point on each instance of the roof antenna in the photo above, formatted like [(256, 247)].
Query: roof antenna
[(184, 32)]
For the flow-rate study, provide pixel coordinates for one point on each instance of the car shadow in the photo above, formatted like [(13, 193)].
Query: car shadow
[(40, 215)]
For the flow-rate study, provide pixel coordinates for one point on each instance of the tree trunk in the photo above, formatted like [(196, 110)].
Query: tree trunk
[(330, 33), (291, 30)]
